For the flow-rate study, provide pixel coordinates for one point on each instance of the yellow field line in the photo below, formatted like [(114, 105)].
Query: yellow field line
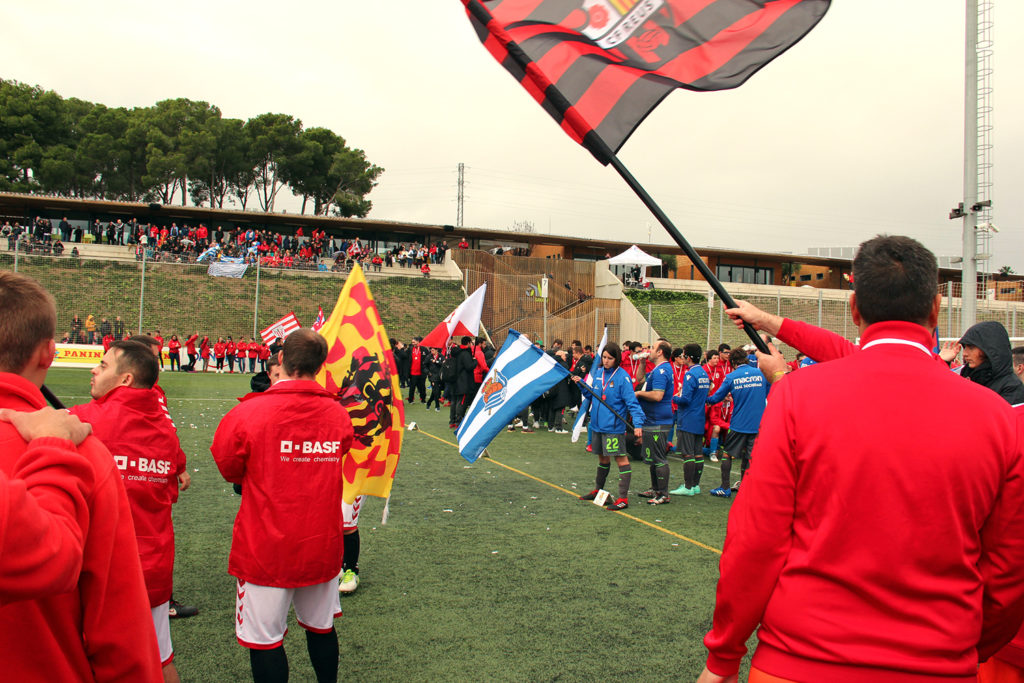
[(572, 493)]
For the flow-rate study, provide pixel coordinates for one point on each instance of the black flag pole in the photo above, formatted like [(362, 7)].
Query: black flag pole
[(674, 233), (593, 393), (51, 397)]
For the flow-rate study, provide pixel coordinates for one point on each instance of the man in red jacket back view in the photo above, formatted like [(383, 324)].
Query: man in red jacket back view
[(285, 447), (100, 628), (864, 543), (128, 416)]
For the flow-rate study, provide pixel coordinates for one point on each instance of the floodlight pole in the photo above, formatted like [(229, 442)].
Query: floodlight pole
[(969, 273)]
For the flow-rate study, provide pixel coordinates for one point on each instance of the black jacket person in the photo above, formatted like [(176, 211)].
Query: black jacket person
[(994, 369)]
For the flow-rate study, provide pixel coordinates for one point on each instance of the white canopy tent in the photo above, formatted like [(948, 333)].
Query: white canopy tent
[(635, 256)]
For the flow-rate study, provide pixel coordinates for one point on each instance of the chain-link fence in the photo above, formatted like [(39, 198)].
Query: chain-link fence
[(183, 299)]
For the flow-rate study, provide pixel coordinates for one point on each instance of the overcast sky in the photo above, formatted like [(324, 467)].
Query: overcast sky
[(857, 130)]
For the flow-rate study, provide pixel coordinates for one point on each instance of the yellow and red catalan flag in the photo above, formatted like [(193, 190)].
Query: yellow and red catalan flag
[(360, 369)]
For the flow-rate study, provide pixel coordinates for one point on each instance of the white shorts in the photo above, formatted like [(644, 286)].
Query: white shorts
[(162, 623), (261, 612), (350, 514)]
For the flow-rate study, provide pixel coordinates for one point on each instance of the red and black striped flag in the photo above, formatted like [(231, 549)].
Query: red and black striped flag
[(600, 66)]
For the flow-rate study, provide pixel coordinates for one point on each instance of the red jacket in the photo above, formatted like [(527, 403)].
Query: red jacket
[(218, 349), (240, 349), (173, 346), (285, 447), (480, 371), (254, 349), (102, 629), (138, 432), (264, 351), (865, 543), (416, 361), (190, 345), (229, 348), (204, 347)]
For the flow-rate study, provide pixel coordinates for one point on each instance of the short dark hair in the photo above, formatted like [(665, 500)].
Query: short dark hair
[(895, 278), (737, 358), (613, 350), (149, 341), (28, 317), (664, 348), (723, 347), (303, 353), (467, 340), (138, 359), (1018, 355), (711, 354), (557, 341), (692, 351)]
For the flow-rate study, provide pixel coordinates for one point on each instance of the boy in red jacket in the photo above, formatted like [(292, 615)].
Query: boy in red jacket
[(854, 569), (101, 629), (127, 415), (285, 447)]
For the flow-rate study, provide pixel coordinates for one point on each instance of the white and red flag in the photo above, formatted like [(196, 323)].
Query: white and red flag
[(464, 321), (319, 322), (282, 328)]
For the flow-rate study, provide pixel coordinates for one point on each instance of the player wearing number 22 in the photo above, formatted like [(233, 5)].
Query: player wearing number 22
[(614, 386)]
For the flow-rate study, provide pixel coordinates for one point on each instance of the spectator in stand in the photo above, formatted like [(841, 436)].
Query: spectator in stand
[(229, 354), (76, 330), (108, 339), (425, 269), (118, 328), (254, 352), (204, 352), (90, 328), (74, 252), (190, 349), (218, 354), (174, 352), (463, 244)]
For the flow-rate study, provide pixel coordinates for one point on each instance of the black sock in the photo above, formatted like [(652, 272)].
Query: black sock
[(625, 474), (269, 666), (726, 469), (662, 487), (688, 473), (654, 477), (323, 655), (698, 469), (602, 474), (350, 560)]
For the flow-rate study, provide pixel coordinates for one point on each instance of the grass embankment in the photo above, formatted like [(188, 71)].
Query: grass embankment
[(184, 299)]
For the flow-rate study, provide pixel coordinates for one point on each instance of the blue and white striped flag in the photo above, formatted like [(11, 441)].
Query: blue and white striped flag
[(589, 379), (521, 372)]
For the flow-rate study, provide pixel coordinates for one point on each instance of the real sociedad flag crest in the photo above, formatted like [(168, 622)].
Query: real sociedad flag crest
[(494, 391), (520, 374)]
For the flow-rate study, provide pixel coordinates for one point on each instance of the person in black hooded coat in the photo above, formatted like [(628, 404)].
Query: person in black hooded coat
[(988, 360)]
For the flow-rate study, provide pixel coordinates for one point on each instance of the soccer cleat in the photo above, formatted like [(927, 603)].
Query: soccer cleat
[(659, 500), (536, 424), (590, 496), (590, 449), (695, 490), (649, 493), (527, 430), (561, 431), (176, 610), (620, 504), (736, 486), (349, 582), (713, 458), (437, 409), (511, 428), (517, 422), (681, 491), (721, 493)]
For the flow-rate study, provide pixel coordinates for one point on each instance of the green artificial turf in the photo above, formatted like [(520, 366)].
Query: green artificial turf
[(481, 572)]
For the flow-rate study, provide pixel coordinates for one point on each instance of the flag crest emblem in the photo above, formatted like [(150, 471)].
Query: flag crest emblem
[(494, 390)]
